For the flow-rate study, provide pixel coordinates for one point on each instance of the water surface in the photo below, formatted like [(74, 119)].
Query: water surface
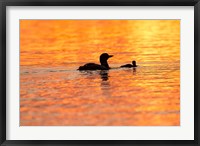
[(54, 93)]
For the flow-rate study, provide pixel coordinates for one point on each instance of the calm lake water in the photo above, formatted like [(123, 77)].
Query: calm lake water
[(54, 93)]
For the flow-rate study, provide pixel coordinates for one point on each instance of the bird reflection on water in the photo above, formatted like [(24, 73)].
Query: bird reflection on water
[(104, 75)]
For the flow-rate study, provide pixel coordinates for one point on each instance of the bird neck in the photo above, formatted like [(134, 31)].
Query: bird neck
[(104, 63), (134, 64)]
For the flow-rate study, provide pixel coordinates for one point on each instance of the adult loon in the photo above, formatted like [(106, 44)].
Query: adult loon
[(93, 66), (130, 65)]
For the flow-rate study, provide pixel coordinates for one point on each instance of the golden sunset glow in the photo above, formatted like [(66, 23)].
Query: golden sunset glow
[(53, 92)]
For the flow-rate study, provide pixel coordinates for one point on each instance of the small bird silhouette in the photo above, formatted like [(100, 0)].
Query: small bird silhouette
[(130, 65)]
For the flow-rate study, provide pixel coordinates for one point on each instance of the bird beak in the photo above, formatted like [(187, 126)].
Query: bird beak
[(110, 56)]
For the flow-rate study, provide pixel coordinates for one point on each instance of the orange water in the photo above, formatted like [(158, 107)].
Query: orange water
[(53, 92)]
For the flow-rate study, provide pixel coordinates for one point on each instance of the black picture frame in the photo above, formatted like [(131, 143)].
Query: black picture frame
[(5, 3)]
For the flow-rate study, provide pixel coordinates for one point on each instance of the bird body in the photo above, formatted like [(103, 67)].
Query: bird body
[(130, 65), (93, 66), (127, 65)]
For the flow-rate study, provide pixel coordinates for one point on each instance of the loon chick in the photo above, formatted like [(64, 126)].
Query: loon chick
[(93, 66), (130, 65)]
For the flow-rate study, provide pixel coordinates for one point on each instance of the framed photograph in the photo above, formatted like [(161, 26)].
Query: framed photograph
[(80, 72)]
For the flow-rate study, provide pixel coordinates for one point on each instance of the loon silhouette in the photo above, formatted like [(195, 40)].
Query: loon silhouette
[(130, 65), (93, 66)]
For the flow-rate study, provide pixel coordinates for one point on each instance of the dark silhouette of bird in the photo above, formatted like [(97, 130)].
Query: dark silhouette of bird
[(130, 65), (93, 66)]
